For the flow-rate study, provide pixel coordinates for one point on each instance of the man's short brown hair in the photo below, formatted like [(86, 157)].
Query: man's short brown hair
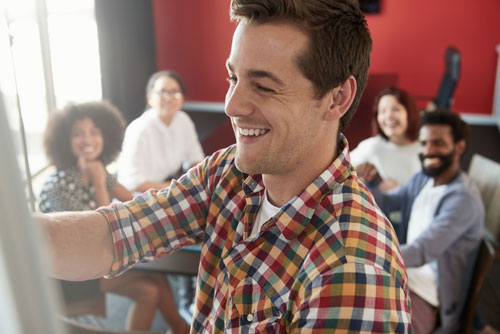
[(339, 39)]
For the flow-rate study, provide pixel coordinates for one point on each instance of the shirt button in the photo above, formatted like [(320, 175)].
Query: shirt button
[(250, 317)]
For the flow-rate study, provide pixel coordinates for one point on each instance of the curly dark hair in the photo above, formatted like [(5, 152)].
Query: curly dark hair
[(57, 134), (410, 105), (442, 116)]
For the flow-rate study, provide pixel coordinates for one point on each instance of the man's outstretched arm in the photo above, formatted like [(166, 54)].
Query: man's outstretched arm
[(79, 243)]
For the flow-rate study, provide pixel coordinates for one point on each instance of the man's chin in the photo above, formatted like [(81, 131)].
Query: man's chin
[(431, 171), (435, 171), (244, 166)]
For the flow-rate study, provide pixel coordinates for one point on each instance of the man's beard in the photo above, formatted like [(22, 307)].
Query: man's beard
[(446, 162)]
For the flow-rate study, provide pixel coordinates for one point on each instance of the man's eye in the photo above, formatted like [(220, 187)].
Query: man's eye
[(264, 89), (231, 79)]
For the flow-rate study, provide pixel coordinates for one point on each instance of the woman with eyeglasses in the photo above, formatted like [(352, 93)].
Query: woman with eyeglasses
[(163, 141)]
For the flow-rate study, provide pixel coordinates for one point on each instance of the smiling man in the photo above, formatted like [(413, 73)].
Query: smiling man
[(442, 224), (291, 241)]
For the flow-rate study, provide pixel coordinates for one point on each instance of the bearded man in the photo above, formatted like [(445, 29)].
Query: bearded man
[(442, 224)]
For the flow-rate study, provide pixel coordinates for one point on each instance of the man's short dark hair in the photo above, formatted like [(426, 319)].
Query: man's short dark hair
[(459, 129), (339, 39), (57, 136)]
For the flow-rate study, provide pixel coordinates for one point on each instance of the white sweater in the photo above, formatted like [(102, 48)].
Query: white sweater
[(396, 162)]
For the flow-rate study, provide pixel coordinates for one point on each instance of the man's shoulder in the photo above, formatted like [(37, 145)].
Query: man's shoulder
[(363, 226), (358, 240), (465, 188)]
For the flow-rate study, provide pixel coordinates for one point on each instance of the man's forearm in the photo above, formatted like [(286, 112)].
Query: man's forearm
[(79, 244)]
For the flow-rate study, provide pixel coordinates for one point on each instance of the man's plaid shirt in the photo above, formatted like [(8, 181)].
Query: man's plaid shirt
[(328, 261)]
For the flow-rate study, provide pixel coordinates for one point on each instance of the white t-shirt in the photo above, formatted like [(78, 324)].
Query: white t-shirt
[(392, 161), (266, 211), (423, 279), (153, 151)]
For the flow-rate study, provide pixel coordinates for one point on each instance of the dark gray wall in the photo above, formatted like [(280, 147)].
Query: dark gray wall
[(483, 140), (127, 52)]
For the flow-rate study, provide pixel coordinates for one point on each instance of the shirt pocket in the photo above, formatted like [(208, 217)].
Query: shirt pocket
[(251, 310)]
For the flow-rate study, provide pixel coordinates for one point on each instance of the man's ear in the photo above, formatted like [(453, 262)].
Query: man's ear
[(460, 147), (340, 99)]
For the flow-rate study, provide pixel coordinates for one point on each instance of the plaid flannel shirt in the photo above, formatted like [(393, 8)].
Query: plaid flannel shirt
[(328, 261)]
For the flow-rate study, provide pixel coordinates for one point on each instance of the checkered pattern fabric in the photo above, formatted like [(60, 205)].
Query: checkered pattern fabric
[(327, 262)]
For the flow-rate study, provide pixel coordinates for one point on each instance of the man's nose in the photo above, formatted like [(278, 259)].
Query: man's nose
[(427, 149), (237, 102)]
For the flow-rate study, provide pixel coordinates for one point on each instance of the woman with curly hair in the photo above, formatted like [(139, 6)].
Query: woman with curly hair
[(80, 141), (391, 155)]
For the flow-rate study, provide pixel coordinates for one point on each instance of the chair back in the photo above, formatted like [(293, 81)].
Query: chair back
[(486, 174), (485, 258)]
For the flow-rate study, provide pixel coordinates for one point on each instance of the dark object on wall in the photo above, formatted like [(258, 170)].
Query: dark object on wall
[(369, 6), (450, 78), (127, 52)]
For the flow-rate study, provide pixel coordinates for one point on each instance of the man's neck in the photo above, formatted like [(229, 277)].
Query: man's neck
[(447, 176), (281, 188)]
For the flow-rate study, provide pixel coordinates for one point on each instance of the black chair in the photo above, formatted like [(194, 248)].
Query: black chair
[(450, 78)]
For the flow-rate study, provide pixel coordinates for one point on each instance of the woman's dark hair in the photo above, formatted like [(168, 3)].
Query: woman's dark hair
[(57, 136), (166, 73), (410, 105)]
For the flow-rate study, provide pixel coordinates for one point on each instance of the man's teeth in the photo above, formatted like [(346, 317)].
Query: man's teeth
[(430, 161), (251, 132), (88, 149)]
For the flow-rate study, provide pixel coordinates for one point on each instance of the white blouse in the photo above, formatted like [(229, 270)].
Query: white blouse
[(153, 151)]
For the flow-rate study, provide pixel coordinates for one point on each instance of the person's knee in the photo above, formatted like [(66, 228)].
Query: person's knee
[(147, 291)]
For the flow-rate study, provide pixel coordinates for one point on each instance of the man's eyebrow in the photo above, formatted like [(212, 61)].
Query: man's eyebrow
[(265, 74), (258, 74)]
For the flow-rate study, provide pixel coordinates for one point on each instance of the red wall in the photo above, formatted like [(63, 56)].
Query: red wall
[(193, 37), (410, 37)]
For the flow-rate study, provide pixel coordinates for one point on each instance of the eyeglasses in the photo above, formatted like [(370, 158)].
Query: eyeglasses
[(175, 94)]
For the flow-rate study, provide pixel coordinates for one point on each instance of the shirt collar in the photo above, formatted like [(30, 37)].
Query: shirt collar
[(296, 214)]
